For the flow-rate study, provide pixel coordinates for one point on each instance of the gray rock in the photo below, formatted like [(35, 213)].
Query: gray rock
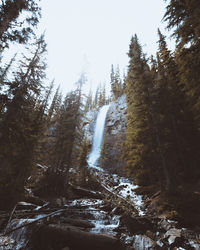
[(114, 137), (172, 234), (89, 124)]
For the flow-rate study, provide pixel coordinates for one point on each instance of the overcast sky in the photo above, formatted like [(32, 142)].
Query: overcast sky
[(90, 35)]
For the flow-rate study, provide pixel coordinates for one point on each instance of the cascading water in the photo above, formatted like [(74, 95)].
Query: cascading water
[(98, 137)]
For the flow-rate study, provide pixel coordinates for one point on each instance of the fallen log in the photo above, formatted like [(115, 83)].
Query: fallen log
[(85, 192), (28, 213), (78, 222), (11, 215), (32, 222), (119, 197), (60, 236), (19, 204)]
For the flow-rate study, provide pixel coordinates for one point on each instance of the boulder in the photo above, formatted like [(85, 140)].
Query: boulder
[(172, 234), (54, 236), (137, 224), (78, 222)]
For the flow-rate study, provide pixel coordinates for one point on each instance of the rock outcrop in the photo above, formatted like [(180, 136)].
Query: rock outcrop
[(89, 122), (114, 137)]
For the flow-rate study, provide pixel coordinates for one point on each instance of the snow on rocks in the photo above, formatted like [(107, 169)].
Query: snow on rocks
[(143, 242), (172, 234), (86, 202), (89, 124), (6, 243), (116, 118)]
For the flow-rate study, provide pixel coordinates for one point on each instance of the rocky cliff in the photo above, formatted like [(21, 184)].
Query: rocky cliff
[(89, 122), (114, 137)]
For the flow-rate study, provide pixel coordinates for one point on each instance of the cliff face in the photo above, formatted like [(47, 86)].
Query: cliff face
[(89, 125), (114, 137)]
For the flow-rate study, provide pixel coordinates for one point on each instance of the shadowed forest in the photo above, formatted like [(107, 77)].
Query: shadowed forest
[(40, 128)]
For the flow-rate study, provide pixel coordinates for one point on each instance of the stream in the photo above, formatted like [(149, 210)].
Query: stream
[(118, 218)]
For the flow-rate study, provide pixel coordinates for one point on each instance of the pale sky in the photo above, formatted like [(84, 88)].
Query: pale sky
[(90, 35)]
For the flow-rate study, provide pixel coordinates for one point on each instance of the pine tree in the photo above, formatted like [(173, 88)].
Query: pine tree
[(177, 118), (183, 18), (67, 131), (53, 111), (88, 104), (21, 123), (83, 154), (140, 134), (112, 80), (124, 81), (116, 83), (96, 98), (102, 95), (11, 29), (4, 84), (43, 123)]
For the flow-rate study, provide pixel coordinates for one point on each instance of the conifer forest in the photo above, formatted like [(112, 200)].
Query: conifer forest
[(99, 170)]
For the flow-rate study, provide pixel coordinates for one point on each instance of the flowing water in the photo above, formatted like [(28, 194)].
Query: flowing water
[(128, 187), (93, 209), (124, 189), (98, 138)]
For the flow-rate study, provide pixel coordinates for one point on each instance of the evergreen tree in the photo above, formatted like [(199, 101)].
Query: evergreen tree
[(88, 104), (116, 83), (140, 142), (11, 27), (183, 18), (124, 81), (102, 96), (53, 111), (67, 131), (96, 98), (44, 121), (4, 84), (83, 154), (21, 124), (112, 81), (180, 138), (83, 160)]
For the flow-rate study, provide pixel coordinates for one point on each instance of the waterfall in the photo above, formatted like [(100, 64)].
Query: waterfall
[(98, 137)]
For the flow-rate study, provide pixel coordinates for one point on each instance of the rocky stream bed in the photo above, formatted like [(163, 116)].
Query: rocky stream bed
[(112, 217)]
